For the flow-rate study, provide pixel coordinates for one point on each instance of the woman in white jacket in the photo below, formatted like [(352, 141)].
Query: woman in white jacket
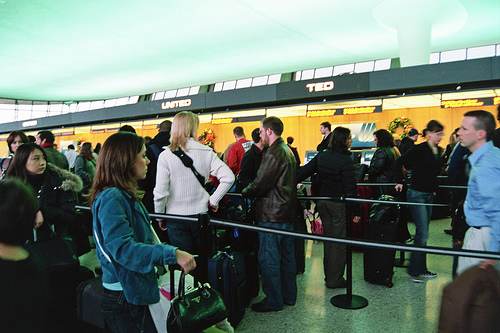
[(178, 191)]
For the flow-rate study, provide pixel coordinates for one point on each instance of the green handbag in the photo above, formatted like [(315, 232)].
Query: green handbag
[(195, 310)]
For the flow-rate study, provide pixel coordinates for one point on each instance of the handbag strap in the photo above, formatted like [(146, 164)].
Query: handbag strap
[(182, 283), (52, 232), (188, 163)]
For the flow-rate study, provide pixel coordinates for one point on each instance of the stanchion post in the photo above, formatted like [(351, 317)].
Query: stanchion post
[(202, 261), (348, 300)]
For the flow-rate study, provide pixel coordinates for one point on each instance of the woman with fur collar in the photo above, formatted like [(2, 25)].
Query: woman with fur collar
[(56, 188)]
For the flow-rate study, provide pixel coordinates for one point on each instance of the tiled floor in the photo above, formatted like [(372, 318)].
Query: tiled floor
[(406, 307)]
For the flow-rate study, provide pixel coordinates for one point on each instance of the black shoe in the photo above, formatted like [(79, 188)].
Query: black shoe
[(448, 231), (341, 285), (289, 304), (259, 307)]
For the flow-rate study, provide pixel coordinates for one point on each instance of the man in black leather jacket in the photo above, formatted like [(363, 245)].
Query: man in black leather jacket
[(275, 207)]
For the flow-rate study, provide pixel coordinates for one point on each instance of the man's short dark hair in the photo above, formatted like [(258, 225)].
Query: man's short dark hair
[(484, 121), (127, 128), (289, 140), (256, 135), (47, 135), (165, 126), (327, 125), (274, 123), (238, 131), (71, 147), (18, 207)]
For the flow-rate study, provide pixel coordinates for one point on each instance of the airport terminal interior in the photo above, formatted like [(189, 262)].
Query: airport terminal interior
[(83, 69)]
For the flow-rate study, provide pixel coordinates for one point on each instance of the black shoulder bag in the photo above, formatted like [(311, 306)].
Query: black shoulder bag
[(188, 163)]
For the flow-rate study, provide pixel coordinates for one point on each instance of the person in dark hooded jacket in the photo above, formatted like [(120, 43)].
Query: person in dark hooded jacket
[(55, 188)]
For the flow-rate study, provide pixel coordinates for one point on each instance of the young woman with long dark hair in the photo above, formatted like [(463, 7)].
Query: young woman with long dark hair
[(124, 238), (56, 188), (14, 140)]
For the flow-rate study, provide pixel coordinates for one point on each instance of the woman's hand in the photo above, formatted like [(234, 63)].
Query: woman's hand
[(398, 187), (185, 260), (162, 224), (356, 219), (38, 220), (212, 207)]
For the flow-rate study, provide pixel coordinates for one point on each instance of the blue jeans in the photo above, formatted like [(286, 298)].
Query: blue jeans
[(124, 317), (185, 235), (421, 216), (277, 266)]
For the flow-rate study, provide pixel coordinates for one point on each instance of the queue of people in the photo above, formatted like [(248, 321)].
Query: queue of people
[(265, 169)]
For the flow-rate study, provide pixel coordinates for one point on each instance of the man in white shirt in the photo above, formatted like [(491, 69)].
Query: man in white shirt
[(71, 155)]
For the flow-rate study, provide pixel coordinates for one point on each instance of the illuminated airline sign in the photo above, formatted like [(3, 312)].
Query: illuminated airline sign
[(361, 110), (176, 104), (150, 127), (30, 123), (344, 111), (65, 133), (218, 121), (104, 130), (461, 103), (496, 100), (321, 113), (320, 86)]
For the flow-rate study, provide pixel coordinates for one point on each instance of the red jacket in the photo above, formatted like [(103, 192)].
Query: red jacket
[(236, 153)]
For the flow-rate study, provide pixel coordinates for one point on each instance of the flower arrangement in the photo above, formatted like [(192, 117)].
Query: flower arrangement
[(403, 122), (208, 137), (80, 141)]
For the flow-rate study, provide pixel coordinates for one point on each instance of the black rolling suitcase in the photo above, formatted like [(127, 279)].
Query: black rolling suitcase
[(379, 264), (89, 294), (227, 275)]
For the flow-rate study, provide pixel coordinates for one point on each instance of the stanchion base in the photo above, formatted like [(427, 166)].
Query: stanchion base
[(352, 303)]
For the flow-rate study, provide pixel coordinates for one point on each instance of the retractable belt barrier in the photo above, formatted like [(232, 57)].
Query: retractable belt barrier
[(456, 187), (348, 300), (347, 241)]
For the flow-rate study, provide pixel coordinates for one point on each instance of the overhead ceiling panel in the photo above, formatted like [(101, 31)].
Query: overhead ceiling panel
[(78, 50)]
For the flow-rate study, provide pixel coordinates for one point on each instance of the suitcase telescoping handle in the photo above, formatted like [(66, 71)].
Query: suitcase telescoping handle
[(35, 232)]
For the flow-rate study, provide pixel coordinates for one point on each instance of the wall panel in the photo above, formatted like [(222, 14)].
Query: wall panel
[(306, 130)]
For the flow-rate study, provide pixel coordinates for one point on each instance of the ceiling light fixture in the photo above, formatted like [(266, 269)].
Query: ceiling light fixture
[(416, 21)]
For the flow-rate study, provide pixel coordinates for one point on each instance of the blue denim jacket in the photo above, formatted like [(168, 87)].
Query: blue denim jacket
[(122, 226)]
